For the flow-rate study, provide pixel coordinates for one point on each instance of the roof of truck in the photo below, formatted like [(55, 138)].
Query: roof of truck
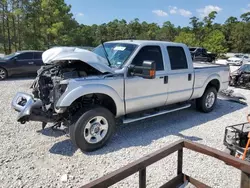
[(140, 42)]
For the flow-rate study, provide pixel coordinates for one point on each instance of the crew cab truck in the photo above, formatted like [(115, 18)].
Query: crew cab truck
[(127, 80)]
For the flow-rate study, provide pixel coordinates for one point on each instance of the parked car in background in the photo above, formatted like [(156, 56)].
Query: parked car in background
[(238, 60), (241, 76), (201, 54), (21, 63)]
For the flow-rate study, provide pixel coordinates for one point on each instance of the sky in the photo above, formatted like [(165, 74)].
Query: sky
[(90, 12)]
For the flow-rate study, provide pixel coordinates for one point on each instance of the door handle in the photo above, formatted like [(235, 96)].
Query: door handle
[(165, 79), (30, 63), (189, 77)]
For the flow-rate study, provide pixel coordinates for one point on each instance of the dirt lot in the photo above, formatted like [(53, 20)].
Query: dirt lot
[(31, 157)]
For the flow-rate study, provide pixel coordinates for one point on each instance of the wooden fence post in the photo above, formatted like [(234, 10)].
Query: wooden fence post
[(245, 180), (179, 161), (142, 178)]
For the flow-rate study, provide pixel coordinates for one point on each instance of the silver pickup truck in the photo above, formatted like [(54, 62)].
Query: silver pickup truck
[(119, 80)]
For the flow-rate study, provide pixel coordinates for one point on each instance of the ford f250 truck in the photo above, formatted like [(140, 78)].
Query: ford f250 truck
[(130, 80)]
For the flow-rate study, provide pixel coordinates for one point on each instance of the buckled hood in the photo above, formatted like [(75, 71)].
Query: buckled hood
[(59, 54)]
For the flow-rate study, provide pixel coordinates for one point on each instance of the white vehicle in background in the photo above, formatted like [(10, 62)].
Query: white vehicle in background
[(238, 60)]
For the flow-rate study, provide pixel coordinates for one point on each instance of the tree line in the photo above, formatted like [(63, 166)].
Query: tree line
[(41, 24)]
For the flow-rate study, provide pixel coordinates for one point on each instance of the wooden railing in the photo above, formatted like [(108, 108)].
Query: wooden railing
[(141, 164)]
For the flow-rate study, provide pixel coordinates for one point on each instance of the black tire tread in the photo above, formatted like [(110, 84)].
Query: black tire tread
[(200, 102), (6, 73), (76, 127)]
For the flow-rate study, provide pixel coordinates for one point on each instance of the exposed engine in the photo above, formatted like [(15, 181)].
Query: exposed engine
[(48, 87)]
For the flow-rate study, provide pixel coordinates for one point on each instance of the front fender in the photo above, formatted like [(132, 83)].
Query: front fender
[(69, 97)]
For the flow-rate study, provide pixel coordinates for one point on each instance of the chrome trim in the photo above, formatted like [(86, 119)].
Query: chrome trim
[(130, 120), (17, 99)]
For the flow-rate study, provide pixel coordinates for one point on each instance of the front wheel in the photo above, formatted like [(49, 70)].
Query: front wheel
[(93, 129), (3, 74), (208, 100)]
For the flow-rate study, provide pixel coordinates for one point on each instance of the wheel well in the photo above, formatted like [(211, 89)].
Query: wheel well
[(214, 83), (95, 99)]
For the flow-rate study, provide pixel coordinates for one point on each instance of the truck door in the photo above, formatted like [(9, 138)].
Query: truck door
[(140, 93), (180, 75)]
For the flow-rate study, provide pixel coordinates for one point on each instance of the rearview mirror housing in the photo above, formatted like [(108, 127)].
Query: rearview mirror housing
[(147, 70)]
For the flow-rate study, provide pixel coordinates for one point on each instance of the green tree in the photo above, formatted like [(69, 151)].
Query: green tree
[(215, 42), (187, 38)]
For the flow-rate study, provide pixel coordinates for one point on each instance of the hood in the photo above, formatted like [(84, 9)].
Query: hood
[(234, 58), (57, 54)]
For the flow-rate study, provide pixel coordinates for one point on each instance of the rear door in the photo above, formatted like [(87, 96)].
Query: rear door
[(140, 93), (38, 62), (180, 75), (24, 63)]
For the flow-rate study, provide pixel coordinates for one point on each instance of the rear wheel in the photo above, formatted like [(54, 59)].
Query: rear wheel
[(208, 100), (92, 129), (3, 74)]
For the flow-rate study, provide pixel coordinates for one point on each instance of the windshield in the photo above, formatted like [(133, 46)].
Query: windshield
[(118, 53), (239, 56), (245, 68), (7, 57), (192, 49)]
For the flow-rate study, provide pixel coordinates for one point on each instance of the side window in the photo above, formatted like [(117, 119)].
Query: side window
[(24, 56), (198, 52), (149, 53), (38, 55), (177, 58), (204, 52)]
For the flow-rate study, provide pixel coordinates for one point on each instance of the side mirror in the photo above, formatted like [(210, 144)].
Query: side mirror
[(147, 70)]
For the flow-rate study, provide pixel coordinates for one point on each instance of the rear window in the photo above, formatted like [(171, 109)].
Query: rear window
[(177, 58)]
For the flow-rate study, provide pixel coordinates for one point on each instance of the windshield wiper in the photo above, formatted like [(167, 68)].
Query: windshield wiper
[(106, 54)]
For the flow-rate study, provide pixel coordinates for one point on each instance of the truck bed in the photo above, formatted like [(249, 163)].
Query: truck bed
[(200, 65)]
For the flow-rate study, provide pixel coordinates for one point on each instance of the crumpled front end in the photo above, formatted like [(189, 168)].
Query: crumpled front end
[(62, 66), (29, 109)]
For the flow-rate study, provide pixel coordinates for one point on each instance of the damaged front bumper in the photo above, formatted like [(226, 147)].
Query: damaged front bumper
[(29, 109)]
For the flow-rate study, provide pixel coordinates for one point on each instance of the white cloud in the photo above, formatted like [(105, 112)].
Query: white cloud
[(182, 12), (208, 9), (244, 10), (185, 13), (80, 14), (160, 13), (173, 10)]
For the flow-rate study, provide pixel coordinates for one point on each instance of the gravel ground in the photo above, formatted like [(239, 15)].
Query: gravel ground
[(31, 157)]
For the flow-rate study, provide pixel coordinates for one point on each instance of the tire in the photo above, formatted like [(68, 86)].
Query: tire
[(3, 74), (203, 105), (92, 129)]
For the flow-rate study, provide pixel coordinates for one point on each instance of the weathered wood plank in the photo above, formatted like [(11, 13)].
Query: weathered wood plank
[(175, 182), (228, 159), (134, 167)]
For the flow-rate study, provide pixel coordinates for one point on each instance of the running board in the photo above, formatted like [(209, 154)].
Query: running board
[(130, 120)]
